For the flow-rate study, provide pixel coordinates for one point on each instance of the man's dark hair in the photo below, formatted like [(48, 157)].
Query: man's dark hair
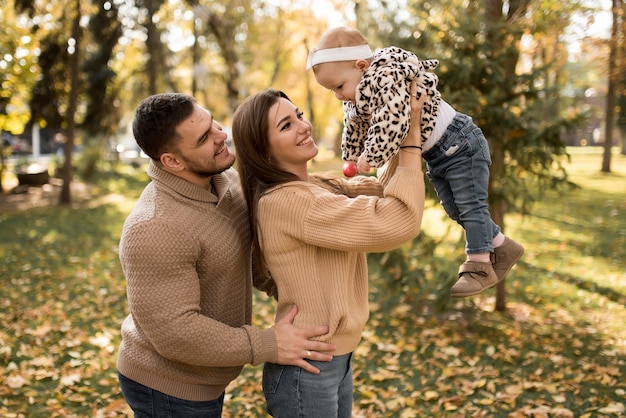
[(156, 119)]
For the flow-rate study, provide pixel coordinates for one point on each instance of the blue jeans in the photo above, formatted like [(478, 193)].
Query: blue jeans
[(458, 167), (150, 403), (292, 392)]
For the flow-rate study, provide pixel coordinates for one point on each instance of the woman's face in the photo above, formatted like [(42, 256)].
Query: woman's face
[(290, 141)]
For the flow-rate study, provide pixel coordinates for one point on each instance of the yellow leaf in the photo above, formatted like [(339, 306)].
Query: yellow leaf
[(367, 393), (448, 371), (42, 361), (451, 351), (76, 397), (41, 330), (70, 379), (408, 413), (382, 374), (551, 387), (562, 413), (613, 408), (15, 381), (100, 340), (362, 350), (450, 406), (514, 390), (480, 383), (430, 395), (392, 404)]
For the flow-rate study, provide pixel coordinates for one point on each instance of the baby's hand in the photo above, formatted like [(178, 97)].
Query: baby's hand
[(362, 164)]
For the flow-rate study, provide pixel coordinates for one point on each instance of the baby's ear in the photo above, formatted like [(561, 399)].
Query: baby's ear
[(362, 64)]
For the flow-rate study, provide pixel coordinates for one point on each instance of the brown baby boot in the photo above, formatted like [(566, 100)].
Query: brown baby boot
[(504, 257), (474, 277)]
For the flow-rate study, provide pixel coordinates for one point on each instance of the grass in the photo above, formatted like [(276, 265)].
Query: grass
[(558, 351)]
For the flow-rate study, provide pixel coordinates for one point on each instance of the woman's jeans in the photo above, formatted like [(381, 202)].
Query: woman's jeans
[(458, 167), (149, 403), (292, 392)]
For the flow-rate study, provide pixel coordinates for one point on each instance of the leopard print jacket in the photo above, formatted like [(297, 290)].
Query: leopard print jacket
[(379, 120)]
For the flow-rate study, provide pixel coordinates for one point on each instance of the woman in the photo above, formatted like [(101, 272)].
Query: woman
[(312, 233)]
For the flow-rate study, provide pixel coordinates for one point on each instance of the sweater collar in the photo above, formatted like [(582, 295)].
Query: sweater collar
[(186, 189)]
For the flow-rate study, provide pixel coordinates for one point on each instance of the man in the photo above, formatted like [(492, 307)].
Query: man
[(185, 252)]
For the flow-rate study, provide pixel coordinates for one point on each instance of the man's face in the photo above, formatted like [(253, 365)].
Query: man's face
[(339, 77), (202, 148)]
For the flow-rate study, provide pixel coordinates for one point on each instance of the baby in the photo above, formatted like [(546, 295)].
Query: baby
[(375, 90)]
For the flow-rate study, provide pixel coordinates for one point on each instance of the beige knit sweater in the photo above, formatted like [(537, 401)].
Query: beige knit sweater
[(314, 243), (186, 256)]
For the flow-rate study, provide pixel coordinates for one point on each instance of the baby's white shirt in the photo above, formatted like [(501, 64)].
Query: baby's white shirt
[(444, 118)]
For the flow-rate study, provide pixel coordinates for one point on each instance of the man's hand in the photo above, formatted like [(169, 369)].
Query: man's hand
[(295, 346)]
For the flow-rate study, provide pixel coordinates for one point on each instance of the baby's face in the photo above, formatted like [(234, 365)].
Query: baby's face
[(339, 77)]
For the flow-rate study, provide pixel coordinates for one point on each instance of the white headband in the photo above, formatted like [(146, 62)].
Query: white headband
[(347, 53)]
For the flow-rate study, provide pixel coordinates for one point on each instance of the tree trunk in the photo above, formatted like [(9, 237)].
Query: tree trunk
[(155, 65), (195, 59), (225, 36), (622, 86), (497, 210), (66, 197), (494, 17), (3, 164), (224, 32), (610, 95)]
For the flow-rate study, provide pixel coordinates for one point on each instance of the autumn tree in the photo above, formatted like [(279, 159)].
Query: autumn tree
[(49, 95), (221, 21), (481, 74), (156, 66), (101, 114), (17, 45)]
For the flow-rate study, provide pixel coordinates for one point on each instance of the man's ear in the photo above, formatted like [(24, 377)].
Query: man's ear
[(361, 64), (172, 162)]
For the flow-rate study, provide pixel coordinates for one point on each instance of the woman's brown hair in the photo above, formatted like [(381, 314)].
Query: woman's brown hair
[(256, 170)]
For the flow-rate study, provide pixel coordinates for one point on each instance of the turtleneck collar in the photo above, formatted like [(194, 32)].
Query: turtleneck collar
[(185, 188)]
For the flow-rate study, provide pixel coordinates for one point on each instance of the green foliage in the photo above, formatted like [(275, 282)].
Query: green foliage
[(484, 73), (50, 93), (87, 161), (415, 268), (16, 77)]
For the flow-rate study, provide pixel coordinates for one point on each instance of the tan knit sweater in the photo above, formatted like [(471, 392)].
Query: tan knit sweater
[(186, 257), (314, 243)]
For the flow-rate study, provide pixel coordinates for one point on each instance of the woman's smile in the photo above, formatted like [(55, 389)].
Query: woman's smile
[(305, 141)]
